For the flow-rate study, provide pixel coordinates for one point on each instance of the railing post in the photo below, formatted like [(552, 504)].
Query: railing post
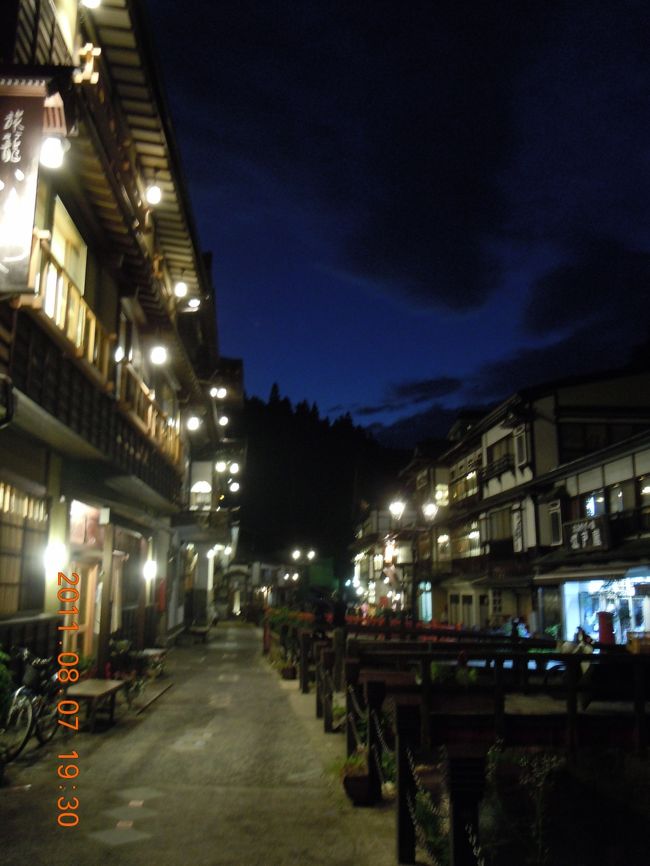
[(304, 661), (375, 693), (318, 647), (466, 784), (327, 666), (338, 640), (351, 688), (407, 724)]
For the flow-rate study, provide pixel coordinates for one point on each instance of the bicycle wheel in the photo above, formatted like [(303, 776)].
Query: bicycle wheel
[(17, 728), (47, 719)]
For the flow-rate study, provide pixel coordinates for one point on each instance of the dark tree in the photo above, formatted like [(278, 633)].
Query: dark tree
[(306, 480)]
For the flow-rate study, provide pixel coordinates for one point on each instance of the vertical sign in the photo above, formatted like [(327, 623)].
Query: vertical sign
[(517, 532), (21, 126)]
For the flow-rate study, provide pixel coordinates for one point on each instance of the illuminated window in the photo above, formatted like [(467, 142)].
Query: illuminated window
[(442, 495), (23, 531), (68, 246), (594, 504), (500, 524), (521, 447), (64, 276)]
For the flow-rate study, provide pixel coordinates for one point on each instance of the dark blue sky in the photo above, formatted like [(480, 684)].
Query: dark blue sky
[(416, 205)]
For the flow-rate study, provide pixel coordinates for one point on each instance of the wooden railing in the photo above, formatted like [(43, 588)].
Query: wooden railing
[(532, 700), (60, 300), (506, 463), (136, 398), (38, 633)]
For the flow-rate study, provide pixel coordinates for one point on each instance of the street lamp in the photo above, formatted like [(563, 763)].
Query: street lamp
[(429, 510), (301, 558)]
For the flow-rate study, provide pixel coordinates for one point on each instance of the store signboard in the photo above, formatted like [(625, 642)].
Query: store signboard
[(588, 534), (21, 129)]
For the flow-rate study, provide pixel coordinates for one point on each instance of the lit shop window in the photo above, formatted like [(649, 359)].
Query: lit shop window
[(594, 503), (201, 496)]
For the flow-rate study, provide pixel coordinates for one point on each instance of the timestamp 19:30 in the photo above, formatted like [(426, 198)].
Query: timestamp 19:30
[(68, 710)]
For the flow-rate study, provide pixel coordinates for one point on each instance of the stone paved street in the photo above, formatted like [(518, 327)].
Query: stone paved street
[(227, 768)]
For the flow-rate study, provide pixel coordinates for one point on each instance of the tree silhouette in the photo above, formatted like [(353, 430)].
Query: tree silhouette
[(306, 479)]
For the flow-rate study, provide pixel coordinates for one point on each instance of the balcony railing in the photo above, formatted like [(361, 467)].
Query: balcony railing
[(60, 304), (136, 399), (498, 467), (59, 301)]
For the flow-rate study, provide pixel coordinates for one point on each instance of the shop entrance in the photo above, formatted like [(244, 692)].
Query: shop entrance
[(623, 598)]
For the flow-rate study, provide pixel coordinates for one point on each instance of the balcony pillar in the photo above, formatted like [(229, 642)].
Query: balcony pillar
[(203, 584)]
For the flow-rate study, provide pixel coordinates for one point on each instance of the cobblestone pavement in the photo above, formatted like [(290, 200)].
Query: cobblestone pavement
[(227, 768)]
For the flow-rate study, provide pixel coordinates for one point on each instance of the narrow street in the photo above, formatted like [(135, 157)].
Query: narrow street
[(227, 768)]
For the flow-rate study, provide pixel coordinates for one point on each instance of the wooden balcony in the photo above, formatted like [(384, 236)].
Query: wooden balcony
[(60, 306), (497, 468), (136, 400)]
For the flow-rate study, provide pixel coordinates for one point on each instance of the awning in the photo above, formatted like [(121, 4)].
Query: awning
[(574, 574)]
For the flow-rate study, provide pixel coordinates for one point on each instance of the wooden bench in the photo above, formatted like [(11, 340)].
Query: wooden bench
[(96, 693)]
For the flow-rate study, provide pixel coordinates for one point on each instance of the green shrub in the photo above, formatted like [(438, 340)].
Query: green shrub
[(459, 674), (389, 766), (431, 828), (356, 764)]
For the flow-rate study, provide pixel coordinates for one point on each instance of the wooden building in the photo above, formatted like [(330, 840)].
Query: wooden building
[(109, 360)]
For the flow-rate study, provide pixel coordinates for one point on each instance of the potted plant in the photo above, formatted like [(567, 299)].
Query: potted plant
[(456, 690), (355, 777), (389, 775), (288, 671)]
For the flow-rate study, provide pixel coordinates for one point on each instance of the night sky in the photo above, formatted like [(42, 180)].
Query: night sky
[(415, 206)]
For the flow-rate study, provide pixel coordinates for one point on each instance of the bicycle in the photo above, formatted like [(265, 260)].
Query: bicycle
[(125, 665), (33, 707)]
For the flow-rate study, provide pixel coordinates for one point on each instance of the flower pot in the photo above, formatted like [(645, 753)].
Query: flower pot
[(358, 789)]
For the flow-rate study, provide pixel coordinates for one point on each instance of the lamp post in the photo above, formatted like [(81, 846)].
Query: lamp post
[(429, 511), (301, 558)]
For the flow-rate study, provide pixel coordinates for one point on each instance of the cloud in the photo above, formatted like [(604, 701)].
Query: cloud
[(395, 128), (426, 155), (414, 141), (604, 282), (409, 394), (587, 350), (433, 423), (423, 390)]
